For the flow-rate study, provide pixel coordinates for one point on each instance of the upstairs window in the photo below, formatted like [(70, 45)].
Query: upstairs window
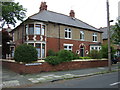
[(31, 29), (43, 30), (68, 34), (94, 37), (37, 29), (82, 35)]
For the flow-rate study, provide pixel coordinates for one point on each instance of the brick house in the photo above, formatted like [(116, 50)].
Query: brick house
[(48, 30), (105, 40)]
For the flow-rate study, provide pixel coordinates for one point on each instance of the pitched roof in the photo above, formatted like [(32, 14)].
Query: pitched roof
[(104, 34), (50, 16)]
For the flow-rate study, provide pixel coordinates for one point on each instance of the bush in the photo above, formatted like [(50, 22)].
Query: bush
[(95, 54), (51, 53), (65, 55), (25, 53), (54, 60), (75, 56), (84, 57)]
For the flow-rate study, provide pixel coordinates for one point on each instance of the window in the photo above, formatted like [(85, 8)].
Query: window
[(94, 37), (81, 35), (43, 50), (68, 33), (37, 29), (43, 30), (68, 47), (38, 48), (31, 29)]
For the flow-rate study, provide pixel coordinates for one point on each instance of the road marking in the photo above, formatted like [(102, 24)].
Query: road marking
[(114, 83)]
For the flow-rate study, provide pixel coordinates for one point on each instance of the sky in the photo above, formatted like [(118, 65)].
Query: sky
[(93, 12)]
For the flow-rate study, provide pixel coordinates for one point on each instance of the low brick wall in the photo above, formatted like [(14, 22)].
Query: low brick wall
[(45, 67)]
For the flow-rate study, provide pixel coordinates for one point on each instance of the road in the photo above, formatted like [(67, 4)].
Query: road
[(109, 80)]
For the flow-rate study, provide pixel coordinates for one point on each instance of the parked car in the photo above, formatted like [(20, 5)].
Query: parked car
[(114, 60)]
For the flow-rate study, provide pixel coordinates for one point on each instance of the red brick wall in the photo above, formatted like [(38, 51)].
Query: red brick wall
[(45, 67), (53, 43)]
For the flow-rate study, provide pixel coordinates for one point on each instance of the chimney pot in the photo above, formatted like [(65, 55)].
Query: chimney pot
[(43, 6), (72, 13)]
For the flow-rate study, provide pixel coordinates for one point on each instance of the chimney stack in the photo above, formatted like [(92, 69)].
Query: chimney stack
[(72, 13), (43, 6)]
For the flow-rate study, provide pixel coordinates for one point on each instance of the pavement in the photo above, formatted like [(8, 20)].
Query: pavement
[(12, 79)]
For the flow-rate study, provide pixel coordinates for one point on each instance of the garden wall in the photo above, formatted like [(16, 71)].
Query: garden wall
[(45, 67)]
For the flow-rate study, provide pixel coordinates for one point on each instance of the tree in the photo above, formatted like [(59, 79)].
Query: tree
[(11, 12), (104, 51), (116, 33), (5, 46)]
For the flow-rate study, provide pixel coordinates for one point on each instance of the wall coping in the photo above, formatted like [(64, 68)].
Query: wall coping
[(42, 61)]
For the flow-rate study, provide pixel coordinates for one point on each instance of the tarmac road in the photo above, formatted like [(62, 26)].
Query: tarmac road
[(109, 80)]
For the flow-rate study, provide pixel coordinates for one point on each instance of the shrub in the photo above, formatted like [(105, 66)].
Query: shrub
[(51, 53), (65, 55), (84, 57), (75, 56), (25, 53), (95, 54), (53, 60)]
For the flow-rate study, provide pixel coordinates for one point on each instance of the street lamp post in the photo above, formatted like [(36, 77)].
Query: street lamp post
[(108, 30)]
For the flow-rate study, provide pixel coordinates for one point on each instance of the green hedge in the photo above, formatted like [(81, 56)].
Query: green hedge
[(65, 55), (84, 57), (61, 56), (53, 60), (95, 54), (25, 53)]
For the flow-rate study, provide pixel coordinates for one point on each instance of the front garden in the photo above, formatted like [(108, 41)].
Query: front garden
[(26, 60)]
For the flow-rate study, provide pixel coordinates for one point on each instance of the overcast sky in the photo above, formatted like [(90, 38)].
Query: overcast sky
[(92, 12)]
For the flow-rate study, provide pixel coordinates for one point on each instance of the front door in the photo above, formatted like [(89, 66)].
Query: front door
[(82, 51)]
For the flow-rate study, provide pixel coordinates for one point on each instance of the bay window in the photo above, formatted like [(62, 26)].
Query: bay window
[(35, 29)]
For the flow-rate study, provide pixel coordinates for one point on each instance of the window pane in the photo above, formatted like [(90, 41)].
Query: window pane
[(26, 29), (43, 30), (95, 38), (32, 44), (43, 50), (37, 29), (69, 34), (39, 52), (31, 29), (65, 34), (38, 45), (38, 48)]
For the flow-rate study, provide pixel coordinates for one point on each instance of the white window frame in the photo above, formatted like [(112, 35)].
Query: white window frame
[(94, 48), (68, 30), (94, 37), (82, 34), (68, 45)]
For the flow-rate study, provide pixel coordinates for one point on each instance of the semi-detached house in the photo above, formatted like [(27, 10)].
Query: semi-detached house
[(48, 30)]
